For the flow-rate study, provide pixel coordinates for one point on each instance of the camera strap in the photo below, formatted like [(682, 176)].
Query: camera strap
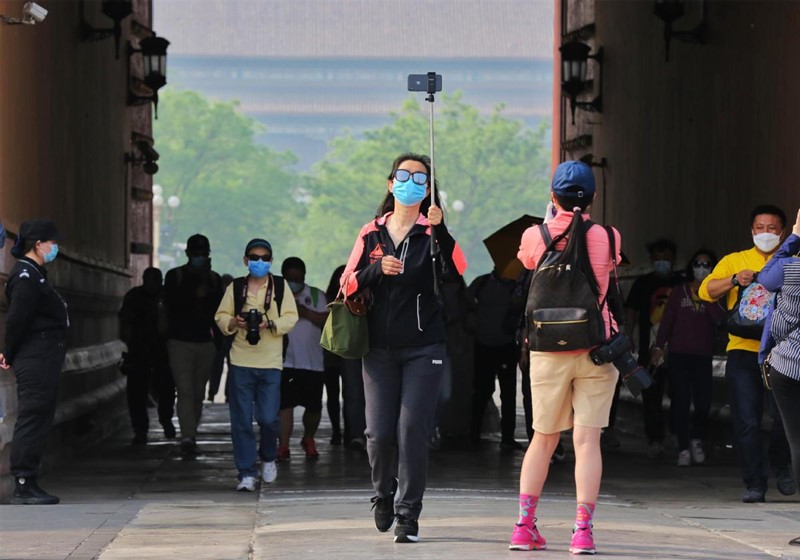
[(275, 288)]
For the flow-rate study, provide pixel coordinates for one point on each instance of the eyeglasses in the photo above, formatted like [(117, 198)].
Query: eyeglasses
[(701, 264), (418, 177), (265, 258)]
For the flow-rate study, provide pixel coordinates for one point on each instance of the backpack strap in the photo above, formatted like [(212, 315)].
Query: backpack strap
[(550, 243), (240, 293), (280, 286), (613, 283)]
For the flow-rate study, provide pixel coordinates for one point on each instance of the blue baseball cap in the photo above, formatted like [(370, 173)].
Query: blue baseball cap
[(258, 242), (573, 174)]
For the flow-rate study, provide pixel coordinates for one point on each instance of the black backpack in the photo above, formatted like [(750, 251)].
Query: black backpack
[(562, 310)]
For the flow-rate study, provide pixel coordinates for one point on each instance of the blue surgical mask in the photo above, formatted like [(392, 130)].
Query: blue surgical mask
[(662, 268), (50, 256), (296, 287), (409, 193), (259, 268), (198, 262)]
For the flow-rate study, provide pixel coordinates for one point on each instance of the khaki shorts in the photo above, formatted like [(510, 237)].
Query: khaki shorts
[(568, 389)]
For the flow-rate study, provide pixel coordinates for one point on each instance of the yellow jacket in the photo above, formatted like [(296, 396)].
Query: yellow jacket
[(732, 264)]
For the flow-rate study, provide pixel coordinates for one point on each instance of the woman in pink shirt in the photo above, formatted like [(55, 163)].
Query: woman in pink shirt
[(568, 390)]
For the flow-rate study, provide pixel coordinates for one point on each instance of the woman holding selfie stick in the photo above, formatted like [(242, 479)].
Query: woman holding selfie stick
[(405, 363)]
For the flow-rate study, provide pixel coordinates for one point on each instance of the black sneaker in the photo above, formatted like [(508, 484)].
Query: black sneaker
[(407, 530), (511, 445), (786, 483), (384, 509), (753, 496), (189, 449), (27, 492)]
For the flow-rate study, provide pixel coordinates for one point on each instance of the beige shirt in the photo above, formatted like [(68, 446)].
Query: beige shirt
[(268, 353)]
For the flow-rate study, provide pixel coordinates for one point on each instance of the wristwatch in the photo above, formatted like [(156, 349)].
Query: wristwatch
[(734, 280)]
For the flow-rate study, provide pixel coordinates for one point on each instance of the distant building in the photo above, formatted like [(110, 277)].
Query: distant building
[(310, 69)]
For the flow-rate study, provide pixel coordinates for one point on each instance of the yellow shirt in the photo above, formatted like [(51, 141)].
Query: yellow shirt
[(268, 353), (732, 264)]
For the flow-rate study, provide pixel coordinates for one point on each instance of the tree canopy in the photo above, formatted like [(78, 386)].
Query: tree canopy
[(231, 188), (491, 169), (495, 167)]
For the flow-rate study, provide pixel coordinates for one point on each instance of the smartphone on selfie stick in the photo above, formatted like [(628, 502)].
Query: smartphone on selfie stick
[(430, 83)]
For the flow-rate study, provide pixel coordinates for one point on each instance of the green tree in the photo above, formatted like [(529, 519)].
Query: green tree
[(494, 166), (231, 188)]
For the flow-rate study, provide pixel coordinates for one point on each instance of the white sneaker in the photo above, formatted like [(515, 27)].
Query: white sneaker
[(684, 458), (247, 484), (269, 472), (698, 453), (654, 450)]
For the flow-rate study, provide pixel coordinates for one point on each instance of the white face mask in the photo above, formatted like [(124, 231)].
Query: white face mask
[(700, 272), (766, 241)]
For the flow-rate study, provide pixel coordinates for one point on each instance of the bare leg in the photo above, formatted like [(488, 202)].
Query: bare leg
[(536, 463), (588, 463)]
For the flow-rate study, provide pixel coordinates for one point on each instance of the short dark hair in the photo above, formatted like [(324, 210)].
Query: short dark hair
[(768, 209), (293, 263), (569, 203), (662, 244), (152, 271)]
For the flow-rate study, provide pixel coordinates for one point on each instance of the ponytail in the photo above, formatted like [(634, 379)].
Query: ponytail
[(577, 245)]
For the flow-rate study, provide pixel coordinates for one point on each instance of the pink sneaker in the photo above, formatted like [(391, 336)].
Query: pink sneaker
[(526, 538), (582, 541)]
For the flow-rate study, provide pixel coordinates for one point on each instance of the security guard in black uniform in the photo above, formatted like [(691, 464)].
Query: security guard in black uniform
[(36, 323)]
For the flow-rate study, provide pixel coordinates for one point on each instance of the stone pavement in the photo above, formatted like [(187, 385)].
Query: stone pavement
[(121, 502)]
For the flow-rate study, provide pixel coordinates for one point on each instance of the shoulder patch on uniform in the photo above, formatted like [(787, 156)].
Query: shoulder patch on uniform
[(24, 273)]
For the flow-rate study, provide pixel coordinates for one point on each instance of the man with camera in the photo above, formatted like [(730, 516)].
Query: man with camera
[(191, 296), (738, 272), (258, 311)]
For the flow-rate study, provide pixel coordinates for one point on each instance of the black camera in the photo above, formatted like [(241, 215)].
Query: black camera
[(617, 350), (253, 318)]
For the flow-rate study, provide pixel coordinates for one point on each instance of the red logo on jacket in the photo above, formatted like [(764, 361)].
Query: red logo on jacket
[(377, 253)]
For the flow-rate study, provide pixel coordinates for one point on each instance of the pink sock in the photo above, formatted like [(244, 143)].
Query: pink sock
[(583, 515), (527, 509)]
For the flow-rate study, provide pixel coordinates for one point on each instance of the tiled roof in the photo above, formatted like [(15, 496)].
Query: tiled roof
[(394, 29)]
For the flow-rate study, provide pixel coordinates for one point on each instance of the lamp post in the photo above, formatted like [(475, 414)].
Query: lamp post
[(158, 202), (154, 59), (574, 67)]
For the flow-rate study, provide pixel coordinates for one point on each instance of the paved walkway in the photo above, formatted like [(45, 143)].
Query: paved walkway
[(121, 502)]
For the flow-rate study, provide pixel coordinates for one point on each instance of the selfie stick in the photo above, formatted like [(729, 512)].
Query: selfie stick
[(434, 251)]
